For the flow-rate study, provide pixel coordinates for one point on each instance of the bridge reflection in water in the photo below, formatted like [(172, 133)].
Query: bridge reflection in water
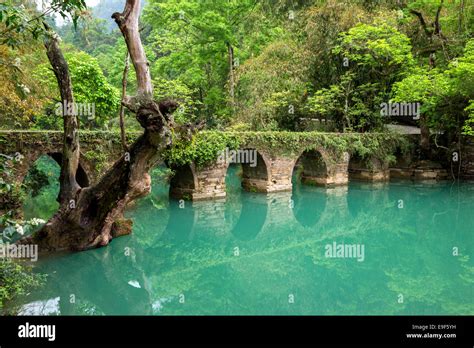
[(181, 258), (244, 214)]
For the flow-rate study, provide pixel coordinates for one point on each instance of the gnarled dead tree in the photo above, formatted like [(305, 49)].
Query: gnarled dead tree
[(90, 217)]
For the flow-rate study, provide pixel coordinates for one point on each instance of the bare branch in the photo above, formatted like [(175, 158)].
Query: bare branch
[(128, 24), (122, 106), (428, 32), (436, 24)]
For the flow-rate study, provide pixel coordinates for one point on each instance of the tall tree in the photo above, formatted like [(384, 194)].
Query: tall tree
[(90, 217), (202, 43)]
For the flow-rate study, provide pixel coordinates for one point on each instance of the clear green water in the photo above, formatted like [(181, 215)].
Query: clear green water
[(266, 254)]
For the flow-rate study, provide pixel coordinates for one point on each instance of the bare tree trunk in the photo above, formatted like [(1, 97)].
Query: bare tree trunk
[(425, 135), (122, 107), (96, 215), (71, 150), (128, 24), (231, 76)]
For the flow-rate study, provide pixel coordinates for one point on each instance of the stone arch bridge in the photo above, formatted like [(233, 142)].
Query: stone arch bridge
[(326, 159)]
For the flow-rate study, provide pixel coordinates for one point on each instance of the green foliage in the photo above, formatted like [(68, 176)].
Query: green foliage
[(89, 86), (16, 279), (271, 88), (98, 157), (112, 62), (44, 204), (445, 94), (382, 49), (177, 90), (21, 20), (375, 57), (19, 101), (456, 21), (325, 101), (468, 127), (35, 180), (191, 40), (426, 87), (12, 196), (91, 35), (202, 149), (321, 29), (205, 147), (11, 193), (281, 62)]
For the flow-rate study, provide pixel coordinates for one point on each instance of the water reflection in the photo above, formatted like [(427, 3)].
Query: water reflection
[(309, 204), (246, 254), (181, 221), (251, 219)]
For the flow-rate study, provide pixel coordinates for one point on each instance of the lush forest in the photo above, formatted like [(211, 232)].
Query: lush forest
[(242, 65), (257, 65)]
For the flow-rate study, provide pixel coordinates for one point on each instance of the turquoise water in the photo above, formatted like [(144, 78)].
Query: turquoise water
[(268, 254)]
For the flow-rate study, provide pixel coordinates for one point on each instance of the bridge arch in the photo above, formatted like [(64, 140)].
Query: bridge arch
[(255, 176), (311, 167), (184, 182), (83, 177)]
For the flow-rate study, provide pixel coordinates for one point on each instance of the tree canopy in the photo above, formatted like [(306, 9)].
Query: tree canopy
[(256, 65)]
